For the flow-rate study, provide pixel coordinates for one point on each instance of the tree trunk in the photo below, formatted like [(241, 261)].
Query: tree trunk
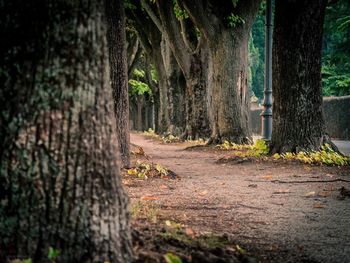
[(163, 113), (59, 157), (176, 90), (230, 100), (228, 73), (119, 74), (298, 122), (197, 85), (139, 112), (193, 64)]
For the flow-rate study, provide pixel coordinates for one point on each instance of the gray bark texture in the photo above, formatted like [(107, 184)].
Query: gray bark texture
[(298, 122), (176, 91), (194, 64), (59, 157), (229, 100), (116, 40)]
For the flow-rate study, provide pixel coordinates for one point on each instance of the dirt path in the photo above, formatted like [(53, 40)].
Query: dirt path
[(250, 202)]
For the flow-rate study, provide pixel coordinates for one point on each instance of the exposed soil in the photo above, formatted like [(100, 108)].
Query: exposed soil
[(278, 211)]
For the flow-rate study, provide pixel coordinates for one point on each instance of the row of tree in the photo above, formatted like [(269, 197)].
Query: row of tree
[(64, 105), (207, 61)]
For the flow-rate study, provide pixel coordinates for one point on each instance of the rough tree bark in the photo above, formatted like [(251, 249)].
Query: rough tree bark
[(134, 52), (119, 74), (229, 98), (176, 91), (298, 122), (193, 61), (59, 158)]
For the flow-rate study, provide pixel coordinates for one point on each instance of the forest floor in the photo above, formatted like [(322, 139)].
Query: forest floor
[(217, 210)]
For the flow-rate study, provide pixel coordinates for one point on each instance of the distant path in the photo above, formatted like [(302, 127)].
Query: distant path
[(247, 202), (344, 146)]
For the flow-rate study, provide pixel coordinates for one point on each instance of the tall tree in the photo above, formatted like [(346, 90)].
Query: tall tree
[(191, 53), (226, 25), (298, 122), (116, 39), (169, 76), (59, 169)]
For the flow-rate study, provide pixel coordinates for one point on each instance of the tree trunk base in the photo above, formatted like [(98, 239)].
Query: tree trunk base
[(217, 139), (295, 147)]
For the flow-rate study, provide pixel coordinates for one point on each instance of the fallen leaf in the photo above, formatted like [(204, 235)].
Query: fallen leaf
[(307, 168), (267, 177), (172, 258), (163, 186), (310, 194), (149, 198), (319, 205), (203, 192), (189, 231), (282, 191), (240, 250)]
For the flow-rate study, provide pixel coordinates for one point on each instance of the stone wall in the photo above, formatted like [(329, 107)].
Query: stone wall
[(337, 115)]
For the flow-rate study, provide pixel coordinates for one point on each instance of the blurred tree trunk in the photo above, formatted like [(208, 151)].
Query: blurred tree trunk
[(140, 104), (59, 157), (298, 122), (116, 39)]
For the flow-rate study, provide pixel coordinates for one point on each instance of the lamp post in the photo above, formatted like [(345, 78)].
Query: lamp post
[(266, 115)]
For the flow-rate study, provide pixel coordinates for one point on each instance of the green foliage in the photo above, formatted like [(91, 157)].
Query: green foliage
[(344, 23), (53, 254), (259, 149), (325, 156), (334, 82), (129, 5), (139, 88), (256, 54), (234, 20), (180, 13), (138, 73), (172, 258), (233, 146), (336, 50)]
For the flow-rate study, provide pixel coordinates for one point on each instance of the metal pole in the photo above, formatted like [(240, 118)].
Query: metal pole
[(266, 114)]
